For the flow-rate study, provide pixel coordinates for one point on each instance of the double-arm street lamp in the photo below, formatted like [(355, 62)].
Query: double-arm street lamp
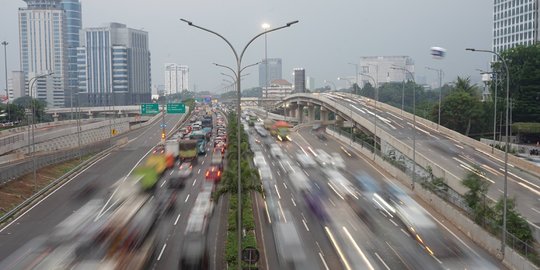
[(503, 240), (32, 123), (238, 73), (414, 123), (440, 74)]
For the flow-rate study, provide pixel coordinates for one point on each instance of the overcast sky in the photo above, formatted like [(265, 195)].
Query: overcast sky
[(329, 35)]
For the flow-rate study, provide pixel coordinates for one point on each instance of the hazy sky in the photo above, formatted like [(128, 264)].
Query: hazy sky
[(329, 35)]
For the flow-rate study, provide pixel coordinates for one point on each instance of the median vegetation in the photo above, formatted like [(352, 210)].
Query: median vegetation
[(229, 185)]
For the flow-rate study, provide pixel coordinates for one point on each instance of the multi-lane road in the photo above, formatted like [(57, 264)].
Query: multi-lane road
[(455, 156), (42, 218), (347, 241)]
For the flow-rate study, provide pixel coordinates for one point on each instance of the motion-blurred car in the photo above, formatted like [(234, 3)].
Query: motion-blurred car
[(305, 160), (276, 151), (321, 136), (258, 159), (323, 158), (159, 149), (213, 174), (337, 161)]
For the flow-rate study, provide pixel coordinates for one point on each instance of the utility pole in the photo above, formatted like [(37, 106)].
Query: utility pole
[(5, 43)]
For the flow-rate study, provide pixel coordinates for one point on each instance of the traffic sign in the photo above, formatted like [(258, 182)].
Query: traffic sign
[(176, 108), (150, 108), (198, 100), (207, 99)]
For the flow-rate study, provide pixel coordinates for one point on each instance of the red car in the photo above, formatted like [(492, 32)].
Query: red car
[(213, 174)]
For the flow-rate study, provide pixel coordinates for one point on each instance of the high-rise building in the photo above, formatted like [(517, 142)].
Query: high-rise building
[(515, 23), (380, 69), (73, 26), (176, 78), (299, 80), (17, 85), (114, 66), (274, 71), (43, 47), (279, 89), (310, 83)]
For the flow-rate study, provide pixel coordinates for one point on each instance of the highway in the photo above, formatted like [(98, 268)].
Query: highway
[(456, 157), (347, 240), (41, 219)]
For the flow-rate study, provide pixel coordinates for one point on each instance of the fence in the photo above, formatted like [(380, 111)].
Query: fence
[(17, 170)]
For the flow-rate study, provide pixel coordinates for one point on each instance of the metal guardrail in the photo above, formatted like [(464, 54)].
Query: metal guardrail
[(50, 186), (25, 167), (11, 139)]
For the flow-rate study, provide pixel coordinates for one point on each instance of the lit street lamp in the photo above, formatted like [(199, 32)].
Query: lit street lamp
[(31, 127), (414, 124), (238, 72), (503, 240)]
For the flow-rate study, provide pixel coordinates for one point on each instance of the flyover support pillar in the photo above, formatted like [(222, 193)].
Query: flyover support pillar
[(311, 113), (55, 117), (300, 113)]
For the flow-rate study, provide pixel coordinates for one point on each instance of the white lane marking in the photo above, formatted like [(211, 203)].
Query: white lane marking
[(267, 213), (177, 218), (493, 171), (305, 225), (491, 156), (277, 191), (161, 253), (323, 261), (294, 203), (403, 231), (285, 185), (535, 210), (338, 249), (395, 116), (368, 263), (278, 173), (171, 173), (187, 198), (380, 259), (199, 171), (202, 162), (282, 213), (195, 181), (393, 222), (25, 212), (307, 174), (459, 146), (162, 184)]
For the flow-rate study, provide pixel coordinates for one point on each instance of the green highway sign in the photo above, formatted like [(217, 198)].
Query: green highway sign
[(150, 108), (176, 108)]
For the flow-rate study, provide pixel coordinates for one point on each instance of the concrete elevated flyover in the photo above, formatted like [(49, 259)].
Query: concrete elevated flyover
[(91, 112)]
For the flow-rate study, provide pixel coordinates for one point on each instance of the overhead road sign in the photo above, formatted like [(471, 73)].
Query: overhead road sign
[(150, 108), (176, 108)]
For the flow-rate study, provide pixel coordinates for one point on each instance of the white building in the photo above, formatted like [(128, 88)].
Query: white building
[(380, 69), (114, 66), (515, 23), (43, 48), (17, 85), (278, 89), (176, 78), (310, 83)]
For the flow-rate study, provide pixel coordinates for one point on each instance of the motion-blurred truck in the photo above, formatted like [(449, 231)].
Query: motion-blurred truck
[(188, 150)]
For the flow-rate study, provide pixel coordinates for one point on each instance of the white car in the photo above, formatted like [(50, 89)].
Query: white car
[(337, 161), (306, 160), (276, 151), (323, 158), (259, 160)]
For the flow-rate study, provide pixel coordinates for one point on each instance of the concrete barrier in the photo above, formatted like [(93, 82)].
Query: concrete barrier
[(512, 259)]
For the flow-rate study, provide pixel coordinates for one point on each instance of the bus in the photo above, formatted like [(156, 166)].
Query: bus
[(200, 136)]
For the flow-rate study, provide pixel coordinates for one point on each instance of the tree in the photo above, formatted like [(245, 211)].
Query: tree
[(515, 223), (524, 68), (39, 106), (476, 196), (461, 108)]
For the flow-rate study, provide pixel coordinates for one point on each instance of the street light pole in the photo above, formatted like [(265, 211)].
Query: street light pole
[(239, 69), (5, 43), (440, 74), (31, 128), (503, 240), (414, 124), (375, 118)]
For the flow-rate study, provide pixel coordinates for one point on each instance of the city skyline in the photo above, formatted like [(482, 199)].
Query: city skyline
[(322, 46)]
